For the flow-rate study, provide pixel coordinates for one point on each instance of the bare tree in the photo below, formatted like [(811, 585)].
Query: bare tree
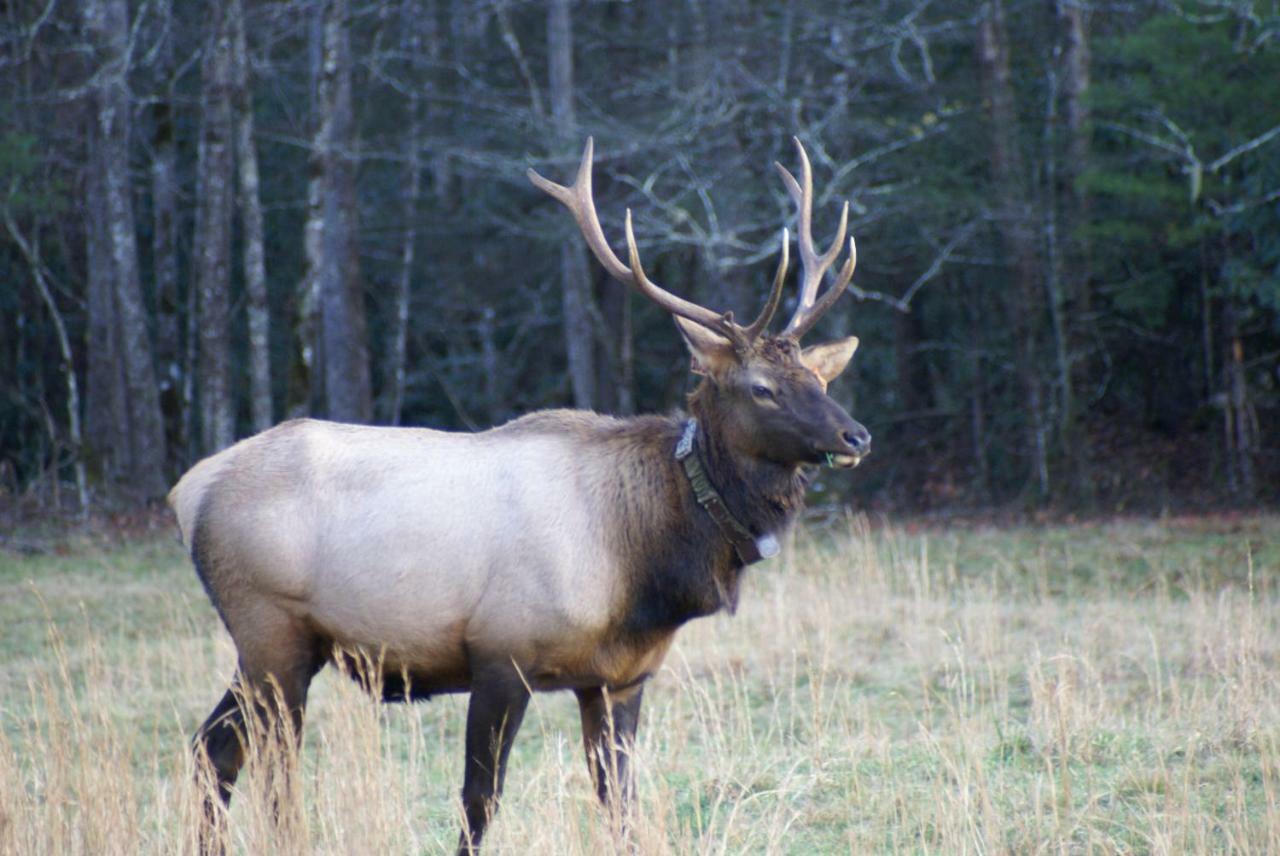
[(106, 422), (345, 351), (1074, 38), (107, 23), (330, 335), (575, 280), (1008, 178), (255, 271), (164, 225), (213, 238), (1075, 338), (303, 363), (1240, 419), (411, 24)]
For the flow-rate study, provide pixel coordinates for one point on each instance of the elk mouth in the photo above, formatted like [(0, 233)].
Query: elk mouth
[(843, 460), (855, 444)]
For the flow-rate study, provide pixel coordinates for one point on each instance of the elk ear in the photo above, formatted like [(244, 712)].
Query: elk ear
[(712, 353), (829, 359)]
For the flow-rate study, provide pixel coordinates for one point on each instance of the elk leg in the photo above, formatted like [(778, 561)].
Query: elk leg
[(218, 741), (609, 722), (269, 695), (498, 701)]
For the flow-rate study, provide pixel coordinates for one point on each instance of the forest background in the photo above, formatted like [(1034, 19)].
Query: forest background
[(220, 215)]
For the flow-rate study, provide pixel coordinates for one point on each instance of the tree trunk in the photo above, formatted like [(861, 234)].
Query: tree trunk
[(1077, 294), (1240, 421), (108, 23), (575, 279), (213, 239), (303, 392), (255, 271), (164, 241), (491, 365), (1073, 25), (342, 319), (612, 333), (626, 358), (411, 44), (1008, 179), (1055, 299), (105, 420)]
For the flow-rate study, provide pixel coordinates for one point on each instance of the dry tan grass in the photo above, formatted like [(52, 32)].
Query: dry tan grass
[(1109, 689)]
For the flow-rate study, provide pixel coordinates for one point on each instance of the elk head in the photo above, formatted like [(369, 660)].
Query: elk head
[(763, 394)]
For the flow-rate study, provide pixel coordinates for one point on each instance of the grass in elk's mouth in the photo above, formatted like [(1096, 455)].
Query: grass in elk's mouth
[(1099, 687)]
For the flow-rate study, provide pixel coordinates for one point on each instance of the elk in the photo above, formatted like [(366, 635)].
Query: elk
[(560, 551)]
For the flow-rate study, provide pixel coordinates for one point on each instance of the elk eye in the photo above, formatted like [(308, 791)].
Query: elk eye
[(761, 391)]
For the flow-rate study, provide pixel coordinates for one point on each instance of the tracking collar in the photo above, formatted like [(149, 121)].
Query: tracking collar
[(749, 548)]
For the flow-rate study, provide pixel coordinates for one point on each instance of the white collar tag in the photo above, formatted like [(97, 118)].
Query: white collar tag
[(768, 546)]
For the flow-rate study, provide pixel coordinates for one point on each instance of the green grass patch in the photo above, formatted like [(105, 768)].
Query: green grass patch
[(1105, 687)]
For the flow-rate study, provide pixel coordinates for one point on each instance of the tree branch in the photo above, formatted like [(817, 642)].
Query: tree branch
[(1245, 148)]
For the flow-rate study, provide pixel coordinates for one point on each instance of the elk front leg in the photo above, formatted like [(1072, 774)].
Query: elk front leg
[(609, 721), (498, 701)]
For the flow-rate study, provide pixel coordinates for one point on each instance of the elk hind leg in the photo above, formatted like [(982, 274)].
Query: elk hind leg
[(264, 708), (219, 752)]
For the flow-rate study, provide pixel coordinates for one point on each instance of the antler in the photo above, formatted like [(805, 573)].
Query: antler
[(578, 199), (809, 308), (775, 294)]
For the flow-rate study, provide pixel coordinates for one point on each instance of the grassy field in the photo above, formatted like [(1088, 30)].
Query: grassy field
[(1109, 688)]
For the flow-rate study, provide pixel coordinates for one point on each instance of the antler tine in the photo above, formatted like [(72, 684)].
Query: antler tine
[(829, 297), (578, 199), (759, 325), (580, 202), (814, 265), (722, 324)]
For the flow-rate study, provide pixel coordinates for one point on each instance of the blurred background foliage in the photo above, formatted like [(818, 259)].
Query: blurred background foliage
[(1067, 214)]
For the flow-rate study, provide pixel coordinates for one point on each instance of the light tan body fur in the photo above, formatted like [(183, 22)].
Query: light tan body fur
[(422, 547)]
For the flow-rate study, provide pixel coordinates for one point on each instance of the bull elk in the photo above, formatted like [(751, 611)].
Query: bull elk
[(560, 551)]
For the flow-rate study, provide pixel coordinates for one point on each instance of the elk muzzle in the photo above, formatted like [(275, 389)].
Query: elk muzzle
[(852, 443)]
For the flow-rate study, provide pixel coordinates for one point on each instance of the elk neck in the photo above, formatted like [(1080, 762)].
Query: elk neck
[(763, 495), (682, 565)]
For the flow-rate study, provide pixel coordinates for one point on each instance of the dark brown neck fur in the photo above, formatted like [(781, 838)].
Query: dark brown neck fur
[(680, 564)]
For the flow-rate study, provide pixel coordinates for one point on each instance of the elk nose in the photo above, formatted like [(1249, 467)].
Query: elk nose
[(857, 438)]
